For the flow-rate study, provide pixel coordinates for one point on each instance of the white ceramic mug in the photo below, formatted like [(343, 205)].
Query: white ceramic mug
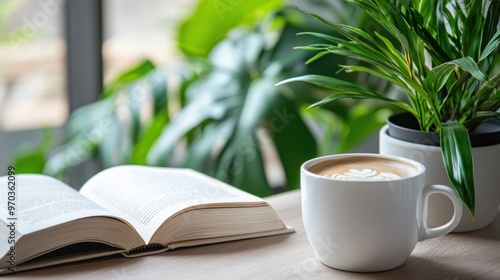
[(368, 226)]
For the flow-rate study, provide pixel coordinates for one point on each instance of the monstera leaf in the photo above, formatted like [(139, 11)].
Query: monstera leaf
[(212, 20), (229, 113), (117, 127)]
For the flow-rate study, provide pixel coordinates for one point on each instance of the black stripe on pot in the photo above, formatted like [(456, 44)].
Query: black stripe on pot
[(404, 126)]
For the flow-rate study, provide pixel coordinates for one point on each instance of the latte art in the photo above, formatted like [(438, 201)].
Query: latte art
[(364, 168), (365, 174)]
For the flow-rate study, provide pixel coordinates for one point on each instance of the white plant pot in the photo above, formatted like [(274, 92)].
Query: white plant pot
[(486, 180)]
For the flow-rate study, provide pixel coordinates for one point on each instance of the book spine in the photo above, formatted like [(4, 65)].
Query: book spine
[(143, 250)]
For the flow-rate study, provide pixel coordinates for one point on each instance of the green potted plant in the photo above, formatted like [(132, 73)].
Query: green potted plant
[(441, 54)]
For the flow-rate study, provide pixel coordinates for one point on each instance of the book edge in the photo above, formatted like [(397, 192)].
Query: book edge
[(63, 260), (51, 262), (191, 243)]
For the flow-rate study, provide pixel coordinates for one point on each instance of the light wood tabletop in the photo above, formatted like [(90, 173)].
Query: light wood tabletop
[(456, 256)]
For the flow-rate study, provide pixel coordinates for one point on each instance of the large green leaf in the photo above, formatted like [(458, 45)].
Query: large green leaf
[(73, 152), (292, 127), (269, 105), (212, 20), (206, 107), (87, 117), (202, 154), (235, 56), (116, 146), (162, 83), (85, 131), (109, 126), (457, 157), (247, 166)]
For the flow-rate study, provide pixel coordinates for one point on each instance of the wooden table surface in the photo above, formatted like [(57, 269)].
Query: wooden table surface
[(455, 256)]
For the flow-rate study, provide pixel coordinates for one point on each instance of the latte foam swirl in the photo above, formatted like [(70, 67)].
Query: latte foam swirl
[(365, 174)]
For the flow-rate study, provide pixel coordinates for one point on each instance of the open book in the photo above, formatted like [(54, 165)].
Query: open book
[(132, 210)]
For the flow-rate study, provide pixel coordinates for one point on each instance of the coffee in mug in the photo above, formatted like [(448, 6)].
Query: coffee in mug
[(366, 212), (370, 168)]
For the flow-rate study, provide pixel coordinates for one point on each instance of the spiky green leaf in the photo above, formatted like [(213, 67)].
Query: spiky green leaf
[(457, 157)]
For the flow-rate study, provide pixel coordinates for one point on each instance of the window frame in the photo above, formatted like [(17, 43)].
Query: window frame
[(83, 30)]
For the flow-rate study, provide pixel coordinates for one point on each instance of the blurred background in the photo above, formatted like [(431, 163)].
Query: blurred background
[(33, 51), (89, 84)]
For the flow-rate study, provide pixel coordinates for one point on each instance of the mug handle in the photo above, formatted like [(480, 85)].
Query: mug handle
[(425, 231)]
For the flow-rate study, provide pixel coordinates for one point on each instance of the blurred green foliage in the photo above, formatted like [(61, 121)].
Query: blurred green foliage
[(218, 110)]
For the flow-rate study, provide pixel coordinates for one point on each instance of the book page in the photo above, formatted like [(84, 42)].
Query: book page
[(42, 202), (147, 196)]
